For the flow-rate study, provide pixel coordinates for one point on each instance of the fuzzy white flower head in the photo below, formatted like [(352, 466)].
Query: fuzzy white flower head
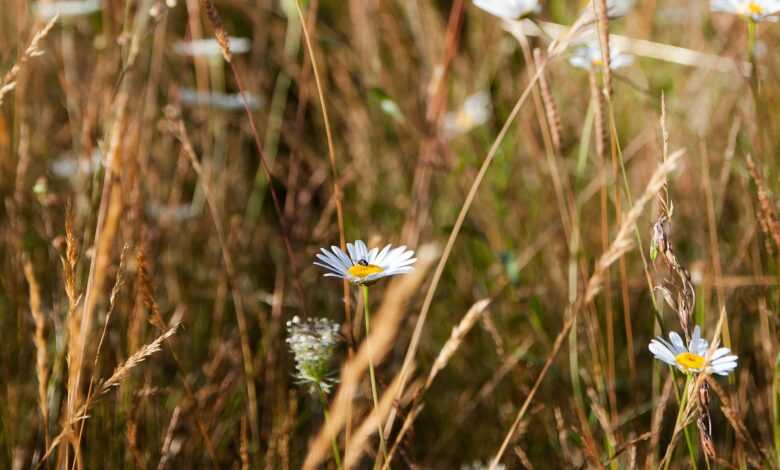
[(67, 9), (588, 57), (364, 266), (693, 358), (313, 342), (756, 10), (474, 112), (509, 9), (210, 47)]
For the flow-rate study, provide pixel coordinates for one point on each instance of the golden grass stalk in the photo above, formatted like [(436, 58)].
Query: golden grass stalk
[(166, 453), (373, 348), (121, 372), (623, 241), (603, 27), (32, 51), (551, 110), (767, 217), (457, 336), (39, 339), (621, 245), (370, 425)]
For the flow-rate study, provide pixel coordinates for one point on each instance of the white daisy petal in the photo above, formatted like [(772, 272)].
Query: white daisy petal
[(661, 352), (361, 249), (509, 9), (719, 353), (677, 342), (345, 260), (382, 254)]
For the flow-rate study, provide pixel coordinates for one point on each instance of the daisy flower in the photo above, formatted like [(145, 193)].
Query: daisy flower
[(474, 112), (756, 10), (693, 358), (509, 9), (364, 266), (588, 57)]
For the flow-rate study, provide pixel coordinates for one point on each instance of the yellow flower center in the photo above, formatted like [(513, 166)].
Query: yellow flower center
[(690, 361), (598, 62), (363, 270), (754, 8)]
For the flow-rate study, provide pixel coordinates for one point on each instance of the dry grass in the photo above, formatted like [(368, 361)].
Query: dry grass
[(161, 211)]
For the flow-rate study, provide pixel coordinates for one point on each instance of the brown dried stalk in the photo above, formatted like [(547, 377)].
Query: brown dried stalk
[(551, 110), (41, 368), (166, 453), (457, 336), (767, 218), (603, 26), (32, 51), (121, 372)]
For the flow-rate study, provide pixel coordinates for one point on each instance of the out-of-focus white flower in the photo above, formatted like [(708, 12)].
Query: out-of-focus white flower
[(477, 465), (756, 10), (66, 9), (230, 102), (475, 111), (615, 9), (588, 57), (178, 213), (70, 165), (364, 266), (693, 358), (313, 342), (509, 9), (210, 47)]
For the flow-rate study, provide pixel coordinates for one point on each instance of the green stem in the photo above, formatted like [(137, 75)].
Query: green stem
[(374, 394), (751, 44), (334, 443), (682, 399)]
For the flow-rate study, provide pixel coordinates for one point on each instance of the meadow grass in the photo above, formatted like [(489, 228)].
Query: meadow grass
[(573, 183)]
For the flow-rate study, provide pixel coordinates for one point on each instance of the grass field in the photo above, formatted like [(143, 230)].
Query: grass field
[(572, 180)]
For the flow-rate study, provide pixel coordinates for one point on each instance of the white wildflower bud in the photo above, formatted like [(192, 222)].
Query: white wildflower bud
[(313, 342)]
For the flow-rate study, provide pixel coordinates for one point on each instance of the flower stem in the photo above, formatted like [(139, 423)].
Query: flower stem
[(682, 399), (371, 374), (334, 443), (751, 40)]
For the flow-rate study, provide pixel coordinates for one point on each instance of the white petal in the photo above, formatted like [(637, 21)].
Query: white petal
[(677, 342), (362, 249), (382, 254), (661, 352), (719, 353)]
